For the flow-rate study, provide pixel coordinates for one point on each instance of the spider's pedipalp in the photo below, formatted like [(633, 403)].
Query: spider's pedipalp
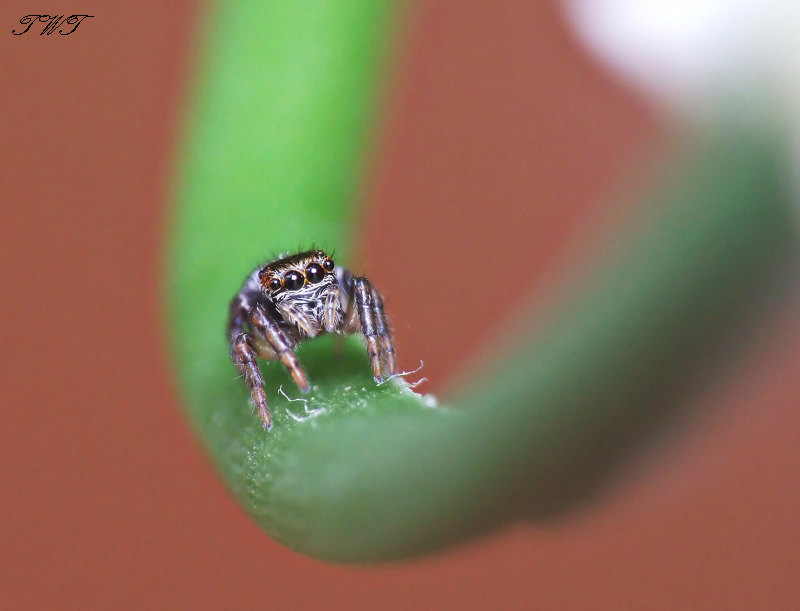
[(296, 317), (332, 310)]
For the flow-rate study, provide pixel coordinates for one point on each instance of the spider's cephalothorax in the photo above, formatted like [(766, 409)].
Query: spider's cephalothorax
[(299, 297)]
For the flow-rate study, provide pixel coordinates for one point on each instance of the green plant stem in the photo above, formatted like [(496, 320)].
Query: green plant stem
[(359, 472)]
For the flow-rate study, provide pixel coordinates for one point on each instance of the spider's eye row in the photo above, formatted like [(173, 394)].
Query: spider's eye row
[(275, 284), (328, 265), (293, 280), (314, 273)]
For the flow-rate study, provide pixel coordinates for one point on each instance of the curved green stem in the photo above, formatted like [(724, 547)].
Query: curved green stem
[(361, 472)]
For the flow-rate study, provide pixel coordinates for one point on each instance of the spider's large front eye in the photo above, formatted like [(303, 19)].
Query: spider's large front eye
[(293, 280), (274, 284), (328, 265), (314, 273)]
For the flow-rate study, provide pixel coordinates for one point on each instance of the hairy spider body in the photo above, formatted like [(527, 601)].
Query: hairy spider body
[(299, 297)]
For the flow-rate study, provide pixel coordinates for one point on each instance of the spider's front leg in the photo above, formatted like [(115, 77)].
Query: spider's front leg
[(269, 342), (278, 346), (244, 357), (384, 333), (375, 328)]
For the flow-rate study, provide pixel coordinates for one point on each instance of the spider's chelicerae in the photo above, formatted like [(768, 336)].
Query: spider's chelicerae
[(295, 298)]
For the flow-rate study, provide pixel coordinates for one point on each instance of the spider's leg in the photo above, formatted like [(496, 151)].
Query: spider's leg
[(384, 334), (244, 357), (280, 343), (298, 318), (332, 310), (363, 297)]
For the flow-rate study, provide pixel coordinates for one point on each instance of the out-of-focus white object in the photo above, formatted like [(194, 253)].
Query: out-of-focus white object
[(693, 53)]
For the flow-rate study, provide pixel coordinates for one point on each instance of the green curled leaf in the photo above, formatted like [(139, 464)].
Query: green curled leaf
[(359, 472)]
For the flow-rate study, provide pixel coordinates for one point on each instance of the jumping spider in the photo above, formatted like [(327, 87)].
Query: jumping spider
[(295, 298)]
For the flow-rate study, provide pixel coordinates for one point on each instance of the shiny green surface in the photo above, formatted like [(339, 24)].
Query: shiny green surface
[(367, 473)]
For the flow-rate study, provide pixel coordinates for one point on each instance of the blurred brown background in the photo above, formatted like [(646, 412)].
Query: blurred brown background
[(501, 137)]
